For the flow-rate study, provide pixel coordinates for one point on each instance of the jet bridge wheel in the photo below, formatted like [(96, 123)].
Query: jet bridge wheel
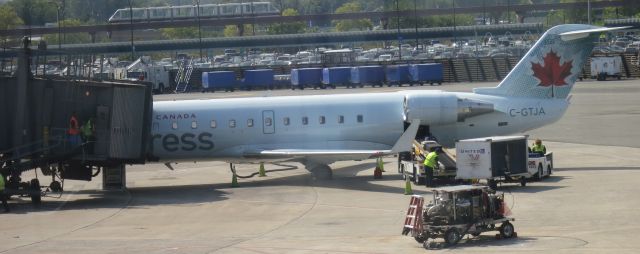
[(34, 189)]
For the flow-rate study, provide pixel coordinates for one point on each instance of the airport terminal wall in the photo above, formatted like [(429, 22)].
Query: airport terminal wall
[(40, 124)]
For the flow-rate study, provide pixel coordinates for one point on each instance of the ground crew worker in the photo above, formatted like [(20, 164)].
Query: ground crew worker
[(430, 164), (539, 148), (88, 136), (74, 130), (3, 196)]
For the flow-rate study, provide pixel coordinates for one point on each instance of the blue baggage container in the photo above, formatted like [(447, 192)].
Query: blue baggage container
[(367, 75), (262, 78), (336, 76), (398, 74), (304, 77), (426, 73), (218, 80)]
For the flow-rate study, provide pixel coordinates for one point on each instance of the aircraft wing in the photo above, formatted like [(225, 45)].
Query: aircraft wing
[(403, 144)]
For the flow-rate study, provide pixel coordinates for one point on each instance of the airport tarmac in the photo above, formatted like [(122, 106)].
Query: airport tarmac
[(589, 205)]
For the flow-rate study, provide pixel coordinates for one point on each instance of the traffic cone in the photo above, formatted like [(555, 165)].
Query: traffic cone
[(234, 181), (261, 172), (407, 187)]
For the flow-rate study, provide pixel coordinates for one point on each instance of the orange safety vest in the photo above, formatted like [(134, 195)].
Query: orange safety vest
[(73, 129)]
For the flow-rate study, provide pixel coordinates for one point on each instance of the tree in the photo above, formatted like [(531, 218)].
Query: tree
[(287, 28), (9, 18), (232, 30), (350, 25), (180, 33), (73, 38), (34, 12)]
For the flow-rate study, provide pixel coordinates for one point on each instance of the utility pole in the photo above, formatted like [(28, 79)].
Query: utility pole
[(133, 47), (199, 28), (398, 26), (415, 16)]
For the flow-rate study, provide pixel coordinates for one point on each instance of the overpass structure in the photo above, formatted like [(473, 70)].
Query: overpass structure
[(248, 19), (632, 22), (272, 41)]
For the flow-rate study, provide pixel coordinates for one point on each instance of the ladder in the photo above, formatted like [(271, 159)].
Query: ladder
[(183, 77), (413, 220)]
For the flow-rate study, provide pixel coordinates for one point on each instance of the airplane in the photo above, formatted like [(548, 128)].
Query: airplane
[(318, 130)]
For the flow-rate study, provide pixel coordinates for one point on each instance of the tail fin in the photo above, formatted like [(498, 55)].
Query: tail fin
[(552, 65)]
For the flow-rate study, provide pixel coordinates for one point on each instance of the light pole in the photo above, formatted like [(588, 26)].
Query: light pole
[(415, 16), (589, 12), (59, 31), (133, 47), (199, 30), (455, 39), (398, 26)]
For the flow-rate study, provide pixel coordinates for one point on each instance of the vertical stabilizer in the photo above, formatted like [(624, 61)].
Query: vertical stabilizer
[(550, 68)]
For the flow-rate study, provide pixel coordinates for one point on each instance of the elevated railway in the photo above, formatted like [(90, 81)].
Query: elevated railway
[(272, 41), (248, 19)]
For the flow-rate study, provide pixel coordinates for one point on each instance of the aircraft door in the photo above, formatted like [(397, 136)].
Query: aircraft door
[(268, 122)]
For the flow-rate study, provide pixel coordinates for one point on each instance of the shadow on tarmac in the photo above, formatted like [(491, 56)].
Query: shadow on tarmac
[(481, 241), (132, 198)]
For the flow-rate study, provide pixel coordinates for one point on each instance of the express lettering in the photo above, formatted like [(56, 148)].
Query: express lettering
[(524, 112), (185, 142)]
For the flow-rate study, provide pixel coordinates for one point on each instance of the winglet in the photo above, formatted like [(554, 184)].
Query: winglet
[(405, 141)]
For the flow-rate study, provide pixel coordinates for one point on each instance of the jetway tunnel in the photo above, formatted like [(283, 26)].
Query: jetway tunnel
[(35, 118)]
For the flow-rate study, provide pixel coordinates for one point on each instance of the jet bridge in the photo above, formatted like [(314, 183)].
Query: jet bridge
[(34, 132)]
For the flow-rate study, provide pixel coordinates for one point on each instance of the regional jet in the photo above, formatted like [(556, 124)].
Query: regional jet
[(321, 129)]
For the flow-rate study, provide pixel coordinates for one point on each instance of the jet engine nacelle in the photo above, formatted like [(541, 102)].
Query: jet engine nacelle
[(440, 109)]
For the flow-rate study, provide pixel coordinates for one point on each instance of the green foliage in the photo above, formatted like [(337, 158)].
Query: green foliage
[(180, 33), (232, 30), (350, 25), (69, 38), (9, 18), (287, 28)]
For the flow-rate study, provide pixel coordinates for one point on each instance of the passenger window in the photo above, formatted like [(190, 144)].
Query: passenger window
[(213, 124), (174, 125), (232, 123), (340, 119), (250, 123), (322, 120), (305, 120), (268, 121), (285, 121), (360, 119), (194, 125)]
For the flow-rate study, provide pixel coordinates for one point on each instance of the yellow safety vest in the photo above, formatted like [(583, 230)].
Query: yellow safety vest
[(1, 183), (538, 149), (430, 161)]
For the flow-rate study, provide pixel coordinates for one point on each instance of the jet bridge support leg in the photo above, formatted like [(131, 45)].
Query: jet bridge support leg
[(114, 178)]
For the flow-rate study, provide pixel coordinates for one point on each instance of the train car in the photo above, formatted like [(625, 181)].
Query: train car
[(191, 12)]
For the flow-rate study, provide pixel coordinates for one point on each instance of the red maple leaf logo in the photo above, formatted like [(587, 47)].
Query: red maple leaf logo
[(552, 74)]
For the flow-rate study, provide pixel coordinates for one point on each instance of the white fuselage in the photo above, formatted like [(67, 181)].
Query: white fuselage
[(226, 129)]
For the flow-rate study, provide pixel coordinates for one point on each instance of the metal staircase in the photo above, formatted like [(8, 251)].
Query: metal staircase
[(183, 77)]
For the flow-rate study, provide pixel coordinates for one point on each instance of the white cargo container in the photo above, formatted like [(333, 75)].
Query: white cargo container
[(496, 159), (606, 66)]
